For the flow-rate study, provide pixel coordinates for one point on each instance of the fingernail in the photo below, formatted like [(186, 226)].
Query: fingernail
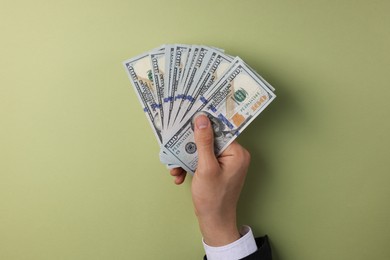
[(201, 121)]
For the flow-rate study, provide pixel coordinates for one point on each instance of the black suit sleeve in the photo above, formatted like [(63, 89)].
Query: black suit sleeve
[(263, 250)]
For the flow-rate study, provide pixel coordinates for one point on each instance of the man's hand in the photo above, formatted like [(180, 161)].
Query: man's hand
[(216, 185)]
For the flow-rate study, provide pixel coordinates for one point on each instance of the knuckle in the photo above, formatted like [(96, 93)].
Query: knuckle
[(247, 156), (244, 156), (241, 154)]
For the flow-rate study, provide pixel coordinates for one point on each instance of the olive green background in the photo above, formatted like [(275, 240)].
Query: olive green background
[(79, 172)]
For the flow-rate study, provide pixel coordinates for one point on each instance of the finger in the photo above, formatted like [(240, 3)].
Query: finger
[(180, 178), (176, 171), (236, 151), (204, 139), (231, 149)]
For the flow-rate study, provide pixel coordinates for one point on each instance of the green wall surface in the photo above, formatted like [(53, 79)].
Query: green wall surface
[(80, 176)]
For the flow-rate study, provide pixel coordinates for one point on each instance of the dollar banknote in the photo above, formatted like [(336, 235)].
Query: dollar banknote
[(235, 101), (216, 70), (176, 82), (157, 62), (168, 99), (139, 71), (180, 57), (202, 64)]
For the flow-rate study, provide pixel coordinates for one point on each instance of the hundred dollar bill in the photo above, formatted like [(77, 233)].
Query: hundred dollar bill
[(191, 59), (209, 89), (194, 50), (168, 100), (168, 160), (139, 71), (198, 105), (186, 66), (235, 101), (180, 58), (217, 69), (200, 62), (201, 72), (157, 60), (181, 61)]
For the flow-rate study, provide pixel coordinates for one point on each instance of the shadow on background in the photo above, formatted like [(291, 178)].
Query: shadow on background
[(257, 138)]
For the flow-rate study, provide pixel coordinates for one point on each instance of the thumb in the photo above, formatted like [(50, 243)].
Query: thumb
[(204, 139)]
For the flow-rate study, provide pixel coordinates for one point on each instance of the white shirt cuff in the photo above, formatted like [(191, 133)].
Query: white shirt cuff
[(240, 248)]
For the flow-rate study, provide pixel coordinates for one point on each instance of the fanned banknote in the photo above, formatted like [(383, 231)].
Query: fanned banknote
[(175, 82)]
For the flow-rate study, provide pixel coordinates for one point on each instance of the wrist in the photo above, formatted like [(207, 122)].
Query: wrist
[(219, 231)]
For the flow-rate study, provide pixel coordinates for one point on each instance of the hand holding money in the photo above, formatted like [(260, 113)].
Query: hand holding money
[(176, 82), (216, 186)]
